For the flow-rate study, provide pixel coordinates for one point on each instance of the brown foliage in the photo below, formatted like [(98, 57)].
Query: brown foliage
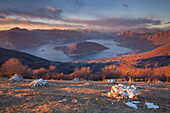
[(12, 66), (83, 72)]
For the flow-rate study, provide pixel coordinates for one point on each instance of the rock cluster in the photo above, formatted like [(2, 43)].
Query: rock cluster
[(76, 79), (88, 84), (39, 82), (110, 81), (124, 91), (16, 78)]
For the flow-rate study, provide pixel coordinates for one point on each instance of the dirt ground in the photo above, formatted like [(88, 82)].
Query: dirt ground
[(73, 96)]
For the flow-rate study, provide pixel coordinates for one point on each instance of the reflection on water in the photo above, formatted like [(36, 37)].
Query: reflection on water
[(47, 51)]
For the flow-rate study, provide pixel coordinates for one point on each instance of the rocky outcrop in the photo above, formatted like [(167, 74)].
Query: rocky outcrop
[(142, 42)]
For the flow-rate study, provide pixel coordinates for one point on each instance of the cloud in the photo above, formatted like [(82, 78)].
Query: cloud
[(167, 23), (2, 15), (14, 21), (51, 8), (125, 5), (38, 12), (30, 9), (116, 22)]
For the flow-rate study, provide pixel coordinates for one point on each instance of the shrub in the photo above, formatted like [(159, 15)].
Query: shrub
[(11, 67), (82, 73), (110, 72)]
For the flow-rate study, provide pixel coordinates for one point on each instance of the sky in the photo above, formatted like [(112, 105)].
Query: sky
[(99, 15)]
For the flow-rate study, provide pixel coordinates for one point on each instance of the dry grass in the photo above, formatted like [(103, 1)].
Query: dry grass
[(19, 97)]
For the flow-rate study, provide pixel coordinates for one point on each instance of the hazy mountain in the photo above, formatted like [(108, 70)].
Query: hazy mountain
[(82, 48), (59, 36), (17, 38)]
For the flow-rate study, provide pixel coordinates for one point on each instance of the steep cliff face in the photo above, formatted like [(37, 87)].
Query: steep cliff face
[(82, 48), (159, 38), (143, 42)]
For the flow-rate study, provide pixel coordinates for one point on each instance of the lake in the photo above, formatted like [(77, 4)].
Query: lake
[(47, 51)]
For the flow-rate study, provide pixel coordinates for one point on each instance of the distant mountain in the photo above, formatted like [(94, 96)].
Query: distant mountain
[(82, 48), (143, 42), (17, 38), (59, 36), (159, 38)]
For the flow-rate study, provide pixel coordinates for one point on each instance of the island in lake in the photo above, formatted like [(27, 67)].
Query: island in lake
[(81, 48)]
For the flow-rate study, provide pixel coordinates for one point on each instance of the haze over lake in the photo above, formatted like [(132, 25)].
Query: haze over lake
[(47, 51)]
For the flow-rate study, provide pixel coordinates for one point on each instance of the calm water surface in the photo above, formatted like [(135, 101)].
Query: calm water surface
[(47, 51)]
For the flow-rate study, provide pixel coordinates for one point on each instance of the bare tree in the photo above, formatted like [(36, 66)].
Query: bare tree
[(13, 66), (130, 62), (83, 72)]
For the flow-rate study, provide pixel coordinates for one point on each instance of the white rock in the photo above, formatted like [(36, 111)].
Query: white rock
[(88, 84), (136, 102), (110, 81), (131, 105), (159, 81), (76, 79), (64, 100), (39, 82), (151, 105), (125, 91), (16, 78)]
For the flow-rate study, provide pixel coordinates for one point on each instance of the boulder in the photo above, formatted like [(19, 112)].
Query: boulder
[(39, 82), (76, 79), (123, 91), (16, 78), (110, 81)]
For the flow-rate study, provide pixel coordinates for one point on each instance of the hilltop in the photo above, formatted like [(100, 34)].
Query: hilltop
[(82, 48)]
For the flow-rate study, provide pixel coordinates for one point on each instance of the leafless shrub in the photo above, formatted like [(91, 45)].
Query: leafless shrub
[(12, 66)]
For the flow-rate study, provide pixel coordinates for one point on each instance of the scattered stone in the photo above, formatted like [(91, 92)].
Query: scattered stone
[(16, 78), (63, 100), (131, 105), (39, 82), (88, 84), (76, 79), (136, 102), (151, 105), (159, 81), (124, 91), (110, 81)]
